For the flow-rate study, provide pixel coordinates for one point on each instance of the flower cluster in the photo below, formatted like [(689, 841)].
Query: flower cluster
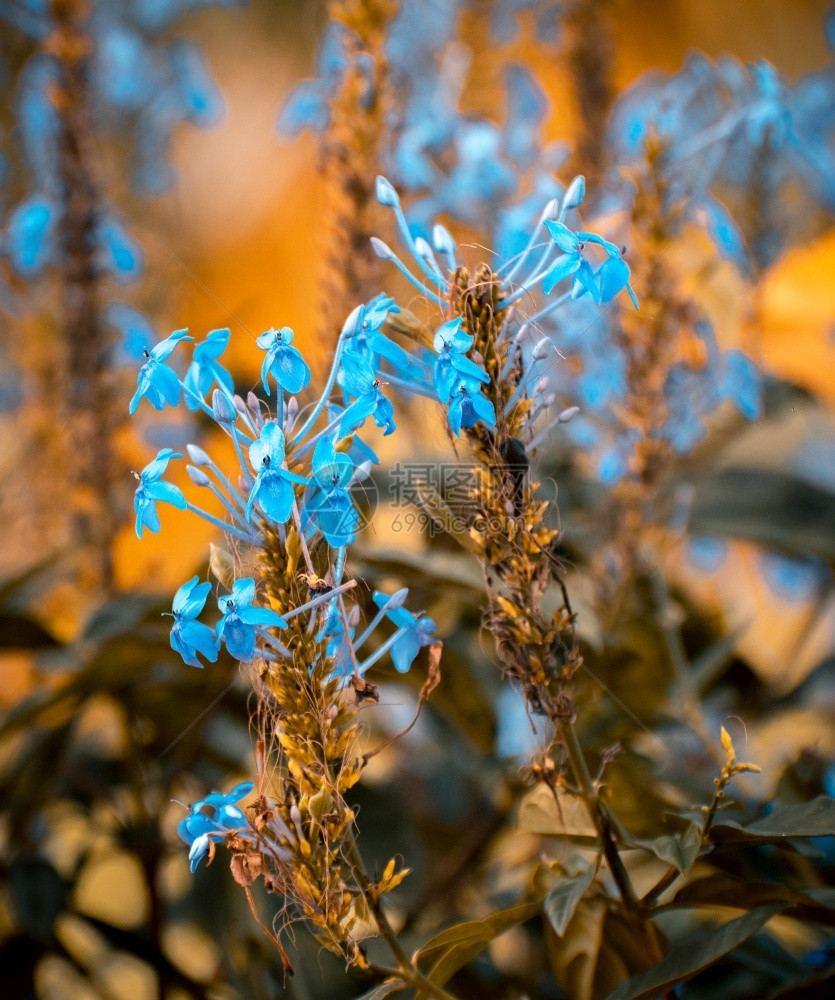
[(140, 84)]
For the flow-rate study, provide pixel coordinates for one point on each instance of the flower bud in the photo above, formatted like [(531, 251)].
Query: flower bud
[(197, 477), (386, 195)]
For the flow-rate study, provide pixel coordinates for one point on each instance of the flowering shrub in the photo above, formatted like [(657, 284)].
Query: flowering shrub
[(519, 723)]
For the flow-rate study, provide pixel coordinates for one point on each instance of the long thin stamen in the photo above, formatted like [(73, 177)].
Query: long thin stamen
[(550, 308), (532, 243)]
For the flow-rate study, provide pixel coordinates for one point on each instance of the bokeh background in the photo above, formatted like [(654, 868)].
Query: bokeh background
[(102, 725)]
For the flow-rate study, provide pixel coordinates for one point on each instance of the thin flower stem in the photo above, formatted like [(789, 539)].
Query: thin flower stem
[(407, 970), (320, 600), (603, 825), (230, 529), (235, 435), (324, 399)]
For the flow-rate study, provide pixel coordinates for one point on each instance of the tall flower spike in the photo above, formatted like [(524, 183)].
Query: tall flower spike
[(237, 627), (273, 487), (283, 361), (156, 381), (188, 636), (152, 489)]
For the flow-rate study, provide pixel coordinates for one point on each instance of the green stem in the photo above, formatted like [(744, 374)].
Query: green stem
[(406, 970), (603, 825)]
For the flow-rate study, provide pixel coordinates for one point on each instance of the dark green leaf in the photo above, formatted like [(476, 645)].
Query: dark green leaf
[(693, 953), (816, 905), (679, 849), (22, 632), (785, 822), (770, 508), (453, 948), (563, 897)]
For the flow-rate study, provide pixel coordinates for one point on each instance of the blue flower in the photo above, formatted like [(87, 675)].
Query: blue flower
[(467, 406), (190, 637), (450, 343), (573, 261), (29, 236), (419, 631), (329, 505), (612, 277), (283, 362), (338, 648), (357, 378), (137, 332), (198, 828), (742, 384), (273, 486), (120, 254), (237, 626), (156, 380), (152, 489), (204, 369), (365, 340)]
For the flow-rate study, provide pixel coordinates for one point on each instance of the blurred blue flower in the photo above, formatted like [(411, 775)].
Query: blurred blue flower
[(29, 236), (152, 489), (204, 370), (120, 254), (137, 333)]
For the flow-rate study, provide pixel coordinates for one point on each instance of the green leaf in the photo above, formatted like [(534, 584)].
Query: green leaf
[(453, 948), (816, 905), (785, 822), (679, 849), (539, 813), (773, 509), (693, 953), (564, 895)]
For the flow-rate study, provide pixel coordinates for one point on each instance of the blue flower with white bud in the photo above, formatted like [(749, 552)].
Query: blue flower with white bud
[(199, 829)]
